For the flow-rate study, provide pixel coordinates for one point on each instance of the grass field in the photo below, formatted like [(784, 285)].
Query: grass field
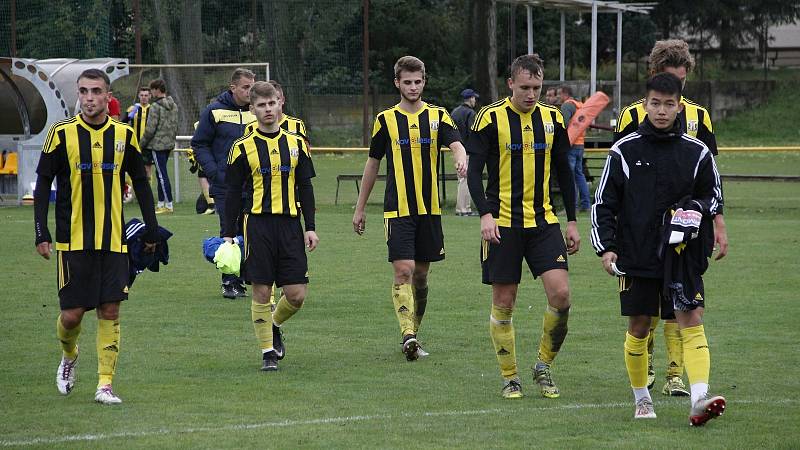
[(188, 369)]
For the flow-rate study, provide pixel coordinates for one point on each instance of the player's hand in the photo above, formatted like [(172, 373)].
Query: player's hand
[(461, 167), (359, 222), (610, 264), (311, 240), (150, 247), (572, 238), (489, 229), (44, 249), (720, 237)]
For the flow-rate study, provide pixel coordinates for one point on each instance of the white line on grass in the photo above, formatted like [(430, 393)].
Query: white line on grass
[(334, 420)]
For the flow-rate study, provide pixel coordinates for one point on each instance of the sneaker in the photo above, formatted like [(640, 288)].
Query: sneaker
[(644, 409), (106, 396), (420, 352), (66, 375), (512, 389), (410, 346), (164, 210), (277, 341), (270, 361), (675, 387), (651, 372), (542, 377), (706, 408), (228, 290), (210, 210)]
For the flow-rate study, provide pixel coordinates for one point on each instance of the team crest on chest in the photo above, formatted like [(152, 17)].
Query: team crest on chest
[(691, 125), (434, 125), (119, 146), (549, 128), (294, 152)]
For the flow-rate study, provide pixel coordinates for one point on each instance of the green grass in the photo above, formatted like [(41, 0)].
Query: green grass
[(771, 124), (188, 369)]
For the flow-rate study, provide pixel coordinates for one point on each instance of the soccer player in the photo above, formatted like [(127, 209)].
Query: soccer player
[(288, 123), (521, 142), (274, 166), (409, 135), (221, 123), (89, 155), (673, 56), (658, 172)]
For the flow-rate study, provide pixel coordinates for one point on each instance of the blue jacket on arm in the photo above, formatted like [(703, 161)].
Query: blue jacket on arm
[(221, 123)]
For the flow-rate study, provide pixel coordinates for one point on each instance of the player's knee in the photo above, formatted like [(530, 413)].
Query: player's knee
[(639, 327), (296, 299), (108, 311), (420, 279), (403, 273), (559, 298), (71, 319)]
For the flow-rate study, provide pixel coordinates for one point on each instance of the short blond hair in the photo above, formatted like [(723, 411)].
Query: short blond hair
[(670, 53), (409, 64)]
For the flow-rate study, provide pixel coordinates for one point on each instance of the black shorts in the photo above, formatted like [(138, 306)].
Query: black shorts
[(542, 247), (274, 250), (89, 278), (147, 156), (418, 238), (645, 297)]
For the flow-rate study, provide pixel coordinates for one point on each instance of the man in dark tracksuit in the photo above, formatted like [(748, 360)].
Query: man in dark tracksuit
[(646, 173), (221, 123)]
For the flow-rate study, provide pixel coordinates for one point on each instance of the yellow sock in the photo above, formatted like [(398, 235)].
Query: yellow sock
[(283, 311), (501, 329), (554, 331), (636, 360), (262, 324), (68, 338), (403, 300), (672, 335), (650, 342), (695, 354), (107, 350), (420, 303)]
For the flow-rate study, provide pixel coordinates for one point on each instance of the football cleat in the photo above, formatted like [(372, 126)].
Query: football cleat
[(66, 375), (410, 346), (270, 361), (675, 387), (420, 352), (164, 210), (644, 409), (651, 372), (706, 408), (106, 396), (228, 290), (512, 389), (542, 377), (238, 287), (277, 341)]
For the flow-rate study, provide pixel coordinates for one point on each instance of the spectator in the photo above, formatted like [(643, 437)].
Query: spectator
[(569, 106), (159, 137), (464, 116), (551, 96), (114, 110)]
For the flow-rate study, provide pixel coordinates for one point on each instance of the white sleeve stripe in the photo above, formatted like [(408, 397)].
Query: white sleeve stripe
[(594, 236)]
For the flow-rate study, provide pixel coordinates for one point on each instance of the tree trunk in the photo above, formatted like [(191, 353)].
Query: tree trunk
[(285, 50), (483, 18), (192, 81)]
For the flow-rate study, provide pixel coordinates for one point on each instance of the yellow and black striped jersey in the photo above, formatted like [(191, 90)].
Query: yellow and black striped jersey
[(288, 123), (410, 142), (695, 120), (139, 121), (89, 163), (520, 149), (269, 166)]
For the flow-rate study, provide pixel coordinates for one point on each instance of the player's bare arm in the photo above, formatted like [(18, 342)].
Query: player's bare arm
[(367, 183)]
